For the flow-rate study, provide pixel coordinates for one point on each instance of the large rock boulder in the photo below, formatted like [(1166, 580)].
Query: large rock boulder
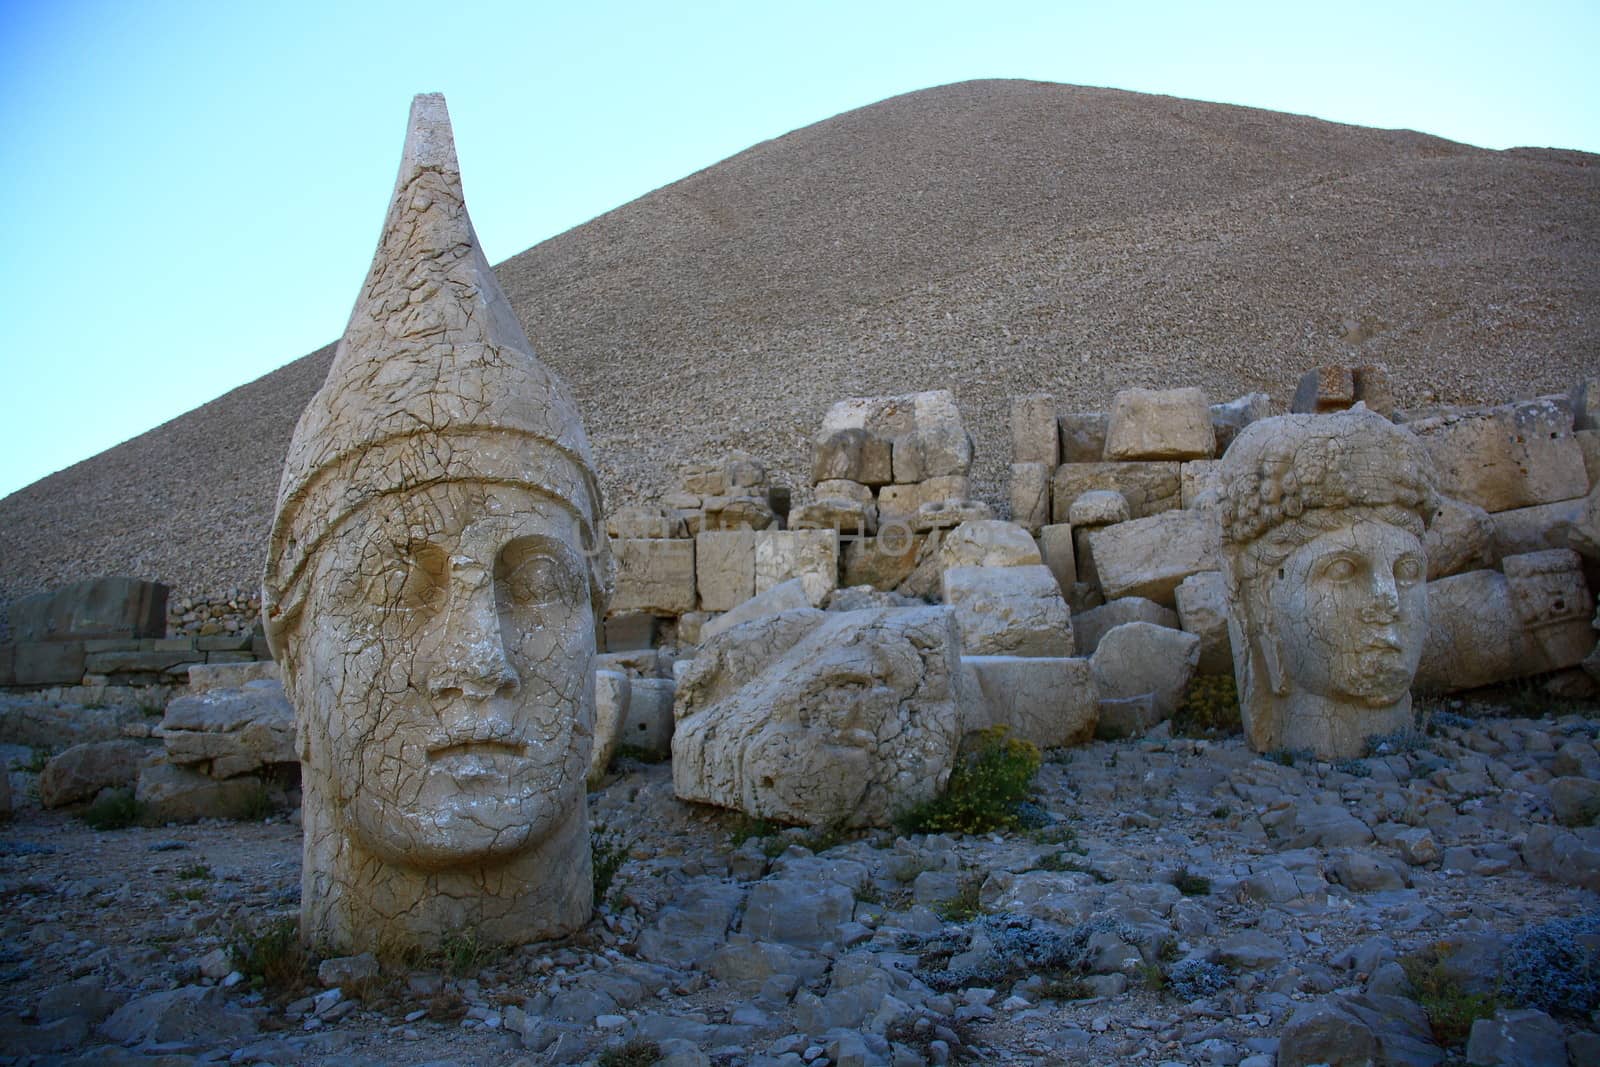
[(1160, 424), (1148, 557), (1138, 658), (83, 770), (1051, 702), (226, 732), (1009, 611), (988, 543), (813, 717)]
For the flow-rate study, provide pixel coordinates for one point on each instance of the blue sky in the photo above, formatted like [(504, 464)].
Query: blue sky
[(192, 191)]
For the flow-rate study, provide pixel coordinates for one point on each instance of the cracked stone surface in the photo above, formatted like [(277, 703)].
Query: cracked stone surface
[(1326, 578), (431, 592)]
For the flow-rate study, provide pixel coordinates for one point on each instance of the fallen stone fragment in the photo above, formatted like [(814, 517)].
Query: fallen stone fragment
[(1147, 424), (83, 770), (1139, 658), (1009, 611), (1050, 702)]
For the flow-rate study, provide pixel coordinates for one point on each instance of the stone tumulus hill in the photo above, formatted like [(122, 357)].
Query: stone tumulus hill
[(993, 237)]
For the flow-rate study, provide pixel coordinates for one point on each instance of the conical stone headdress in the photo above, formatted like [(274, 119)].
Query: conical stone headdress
[(434, 381)]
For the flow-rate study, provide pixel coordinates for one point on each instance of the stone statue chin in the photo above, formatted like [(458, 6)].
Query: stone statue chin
[(1322, 521), (431, 592)]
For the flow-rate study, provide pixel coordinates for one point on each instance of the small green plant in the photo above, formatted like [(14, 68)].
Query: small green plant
[(1209, 708), (1450, 1007), (37, 760), (1150, 976), (607, 854), (114, 810), (461, 953), (984, 789), (636, 1053), (192, 892), (1058, 833), (1221, 811), (1288, 757), (271, 956), (1191, 884), (259, 805), (1355, 768), (1065, 989), (964, 906), (745, 827), (195, 872)]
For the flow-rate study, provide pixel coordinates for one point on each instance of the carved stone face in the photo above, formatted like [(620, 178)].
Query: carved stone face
[(1351, 612), (446, 654)]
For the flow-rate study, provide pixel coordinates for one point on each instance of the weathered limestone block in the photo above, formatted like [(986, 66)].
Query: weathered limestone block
[(948, 514), (1083, 436), (1088, 627), (773, 718), (1055, 545), (853, 454), (1583, 536), (1200, 483), (640, 521), (810, 555), (47, 663), (1512, 456), (612, 692), (1535, 529), (1160, 424), (1099, 507), (1035, 434), (1030, 494), (434, 577), (938, 448), (1148, 487), (844, 516), (80, 772), (1322, 519), (844, 489), (736, 513), (1329, 389), (1139, 659), (1460, 538), (1589, 445), (649, 722), (655, 575), (231, 731), (630, 632), (1009, 611), (1585, 402), (991, 543), (1474, 635), (725, 568), (785, 596), (1228, 418), (1050, 702), (1148, 557), (1203, 611), (205, 677), (170, 793), (1553, 603), (885, 561), (98, 608), (899, 503)]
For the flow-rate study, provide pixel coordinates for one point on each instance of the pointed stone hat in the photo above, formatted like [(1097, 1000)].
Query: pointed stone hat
[(434, 381)]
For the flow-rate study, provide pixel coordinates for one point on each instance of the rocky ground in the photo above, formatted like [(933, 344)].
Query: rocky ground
[(1186, 902)]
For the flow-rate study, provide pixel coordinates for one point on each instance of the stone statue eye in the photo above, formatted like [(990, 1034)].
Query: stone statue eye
[(412, 578), (1408, 570), (530, 577), (1341, 569)]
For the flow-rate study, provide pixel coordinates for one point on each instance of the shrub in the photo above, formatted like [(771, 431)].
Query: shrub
[(636, 1053), (115, 809), (1450, 1007), (984, 791), (461, 953), (1018, 948), (271, 956), (1193, 979), (259, 805), (1288, 757), (1555, 965), (607, 854), (1353, 767), (195, 872), (1209, 708), (1191, 884), (964, 906)]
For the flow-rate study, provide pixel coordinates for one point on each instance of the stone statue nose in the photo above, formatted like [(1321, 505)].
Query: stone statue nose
[(473, 660), (1385, 603)]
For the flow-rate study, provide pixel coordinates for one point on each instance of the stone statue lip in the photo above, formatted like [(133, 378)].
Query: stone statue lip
[(478, 747)]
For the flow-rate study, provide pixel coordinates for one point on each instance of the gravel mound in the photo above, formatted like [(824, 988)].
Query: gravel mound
[(992, 237)]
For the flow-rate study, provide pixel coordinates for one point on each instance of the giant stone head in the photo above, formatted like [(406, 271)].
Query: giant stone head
[(1322, 522), (432, 585)]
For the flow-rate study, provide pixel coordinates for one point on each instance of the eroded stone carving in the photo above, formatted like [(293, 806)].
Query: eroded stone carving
[(1326, 577), (821, 717), (433, 580)]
